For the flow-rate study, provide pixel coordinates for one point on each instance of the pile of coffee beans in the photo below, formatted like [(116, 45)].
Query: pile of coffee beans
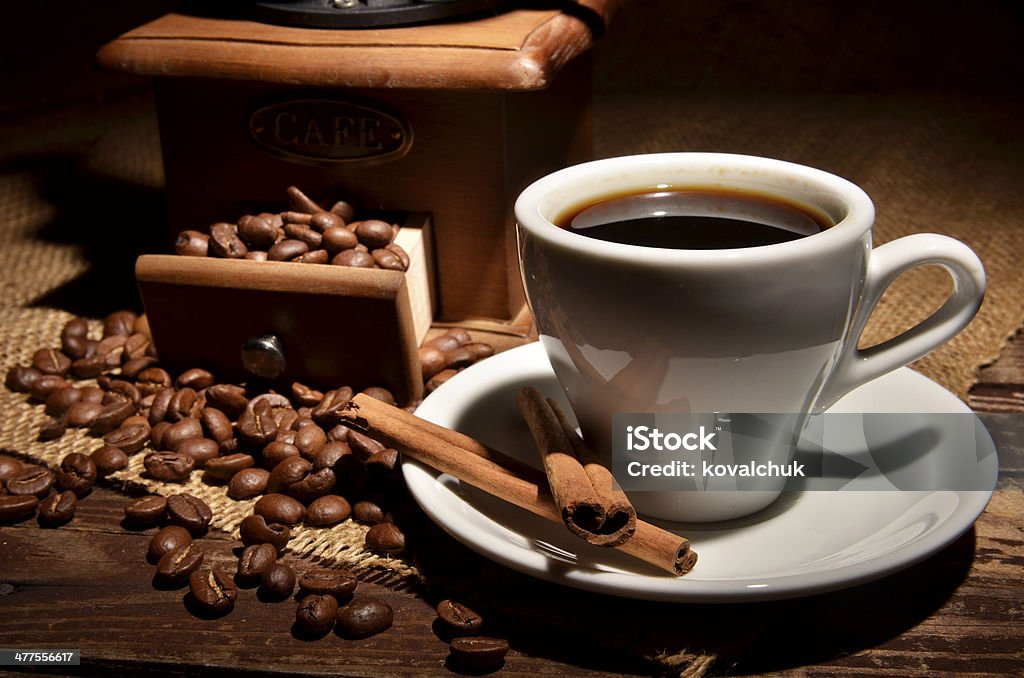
[(307, 233), (288, 450)]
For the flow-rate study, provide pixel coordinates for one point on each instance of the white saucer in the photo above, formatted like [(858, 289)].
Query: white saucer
[(805, 543)]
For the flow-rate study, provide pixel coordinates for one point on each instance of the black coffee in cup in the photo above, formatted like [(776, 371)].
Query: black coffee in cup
[(694, 219)]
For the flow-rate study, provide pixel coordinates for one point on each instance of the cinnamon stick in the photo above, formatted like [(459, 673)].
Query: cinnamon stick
[(411, 436), (583, 509), (620, 516)]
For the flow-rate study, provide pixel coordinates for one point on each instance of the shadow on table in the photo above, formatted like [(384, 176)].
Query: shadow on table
[(609, 633), (110, 220)]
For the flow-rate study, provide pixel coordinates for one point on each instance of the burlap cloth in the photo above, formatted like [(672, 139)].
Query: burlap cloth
[(80, 194)]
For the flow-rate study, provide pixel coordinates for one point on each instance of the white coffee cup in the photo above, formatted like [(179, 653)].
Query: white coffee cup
[(770, 328)]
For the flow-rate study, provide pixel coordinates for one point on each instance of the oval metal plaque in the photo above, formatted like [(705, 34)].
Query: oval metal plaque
[(325, 131)]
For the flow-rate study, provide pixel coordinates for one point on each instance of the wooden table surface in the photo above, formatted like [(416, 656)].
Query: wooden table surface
[(87, 586)]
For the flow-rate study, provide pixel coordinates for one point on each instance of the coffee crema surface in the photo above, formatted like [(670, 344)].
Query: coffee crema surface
[(694, 219)]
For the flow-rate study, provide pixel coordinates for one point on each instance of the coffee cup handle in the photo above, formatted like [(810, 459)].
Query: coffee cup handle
[(855, 366)]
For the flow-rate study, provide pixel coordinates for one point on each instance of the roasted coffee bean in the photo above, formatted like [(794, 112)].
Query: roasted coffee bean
[(458, 620), (343, 210), (111, 350), (53, 428), (34, 480), (15, 507), (277, 582), (329, 454), (111, 416), (402, 255), (75, 348), (290, 470), (285, 419), (382, 463), (287, 437), (387, 260), (379, 393), (167, 539), (316, 484), (229, 447), (129, 437), (213, 590), (21, 377), (92, 394), (144, 511), (305, 396), (328, 510), (176, 566), (77, 473), (136, 346), (443, 342), (256, 232), (328, 411), (275, 400), (152, 379), (295, 217), (432, 361), (51, 361), (125, 389), (109, 459), (374, 233), (248, 483), (202, 450), (195, 378), (189, 511), (354, 258), (385, 538), (300, 202), (45, 384), (478, 652), (136, 420), (136, 366), (312, 238), (458, 358), (312, 257), (364, 617), (256, 425), (169, 467), (280, 508), (309, 439), (82, 414), (256, 255), (366, 511), (316, 614), (322, 221), (76, 327), (192, 244), (479, 349), (160, 405), (90, 367), (59, 401), (254, 561), (338, 239), (58, 509), (216, 424), (223, 468), (224, 242), (180, 404), (119, 323), (287, 249), (325, 582), (9, 467), (179, 432), (438, 380), (255, 529), (363, 445), (277, 452), (460, 335)]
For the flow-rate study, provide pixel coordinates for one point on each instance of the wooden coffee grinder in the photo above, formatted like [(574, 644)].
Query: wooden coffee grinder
[(452, 118)]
